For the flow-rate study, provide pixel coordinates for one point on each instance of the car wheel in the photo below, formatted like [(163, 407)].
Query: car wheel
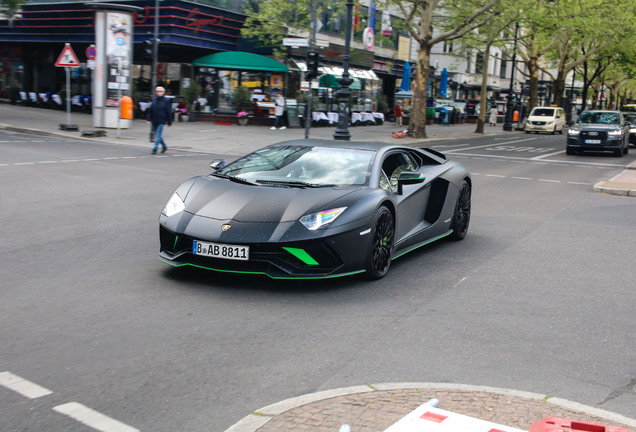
[(570, 151), (461, 217), (618, 152), (553, 130), (379, 254)]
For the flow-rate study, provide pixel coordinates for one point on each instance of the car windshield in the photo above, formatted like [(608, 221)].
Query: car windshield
[(302, 166), (630, 117), (543, 112), (600, 117)]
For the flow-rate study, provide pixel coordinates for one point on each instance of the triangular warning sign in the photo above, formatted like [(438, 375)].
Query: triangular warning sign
[(67, 58)]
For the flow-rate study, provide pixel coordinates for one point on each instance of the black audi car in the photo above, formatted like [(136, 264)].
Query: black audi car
[(599, 131), (315, 209)]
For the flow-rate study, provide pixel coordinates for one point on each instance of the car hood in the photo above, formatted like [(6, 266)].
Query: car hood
[(223, 199)]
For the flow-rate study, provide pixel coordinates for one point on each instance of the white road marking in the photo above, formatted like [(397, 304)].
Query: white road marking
[(22, 386), (550, 181), (522, 178), (549, 154), (92, 418), (492, 144)]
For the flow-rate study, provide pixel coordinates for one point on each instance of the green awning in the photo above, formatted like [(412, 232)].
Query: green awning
[(238, 60), (331, 81)]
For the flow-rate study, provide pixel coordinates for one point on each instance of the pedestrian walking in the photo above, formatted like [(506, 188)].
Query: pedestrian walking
[(399, 112), (492, 120), (279, 111), (159, 114)]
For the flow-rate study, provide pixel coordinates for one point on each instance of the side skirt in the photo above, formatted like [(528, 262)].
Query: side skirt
[(424, 243)]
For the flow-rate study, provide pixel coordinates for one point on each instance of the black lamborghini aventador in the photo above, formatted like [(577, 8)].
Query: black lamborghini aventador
[(316, 209)]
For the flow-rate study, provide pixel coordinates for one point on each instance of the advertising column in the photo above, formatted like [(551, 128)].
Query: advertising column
[(113, 78)]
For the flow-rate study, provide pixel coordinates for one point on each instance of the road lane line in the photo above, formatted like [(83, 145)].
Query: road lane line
[(92, 418), (522, 178), (491, 144), (22, 386), (550, 181), (548, 155)]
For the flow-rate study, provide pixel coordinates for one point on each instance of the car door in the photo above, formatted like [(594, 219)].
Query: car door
[(412, 202)]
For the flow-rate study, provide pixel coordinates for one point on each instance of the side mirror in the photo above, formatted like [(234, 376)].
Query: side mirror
[(408, 178), (217, 164)]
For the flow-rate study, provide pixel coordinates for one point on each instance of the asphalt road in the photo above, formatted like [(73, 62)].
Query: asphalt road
[(539, 296)]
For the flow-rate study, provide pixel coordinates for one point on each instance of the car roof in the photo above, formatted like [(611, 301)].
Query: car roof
[(358, 145)]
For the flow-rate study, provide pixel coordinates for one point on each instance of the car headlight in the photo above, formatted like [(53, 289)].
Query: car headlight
[(316, 220), (549, 122), (615, 132), (174, 205), (573, 131)]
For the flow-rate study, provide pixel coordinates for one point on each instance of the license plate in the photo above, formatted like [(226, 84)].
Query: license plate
[(592, 141), (220, 250)]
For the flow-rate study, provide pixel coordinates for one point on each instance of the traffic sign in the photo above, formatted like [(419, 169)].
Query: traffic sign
[(295, 42), (368, 38), (91, 52), (67, 58)]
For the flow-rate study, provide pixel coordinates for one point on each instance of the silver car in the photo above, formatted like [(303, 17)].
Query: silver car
[(599, 130)]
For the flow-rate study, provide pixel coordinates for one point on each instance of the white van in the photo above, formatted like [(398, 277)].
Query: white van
[(545, 119)]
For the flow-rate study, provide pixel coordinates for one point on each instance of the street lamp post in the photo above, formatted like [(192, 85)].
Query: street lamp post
[(342, 95), (509, 105)]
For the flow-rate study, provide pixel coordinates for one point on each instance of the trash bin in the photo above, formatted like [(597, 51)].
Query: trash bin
[(555, 424)]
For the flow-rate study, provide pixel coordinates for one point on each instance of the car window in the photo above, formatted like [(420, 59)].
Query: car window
[(543, 112), (283, 164), (600, 117), (395, 164)]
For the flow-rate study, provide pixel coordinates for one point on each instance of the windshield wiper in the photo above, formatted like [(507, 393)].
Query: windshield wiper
[(294, 183), (235, 179)]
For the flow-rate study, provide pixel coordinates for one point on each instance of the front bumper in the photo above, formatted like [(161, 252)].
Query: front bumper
[(342, 254), (600, 142)]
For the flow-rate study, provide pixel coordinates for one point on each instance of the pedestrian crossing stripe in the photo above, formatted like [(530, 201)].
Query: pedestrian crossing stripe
[(67, 58)]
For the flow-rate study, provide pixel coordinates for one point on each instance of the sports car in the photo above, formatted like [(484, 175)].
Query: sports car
[(316, 209)]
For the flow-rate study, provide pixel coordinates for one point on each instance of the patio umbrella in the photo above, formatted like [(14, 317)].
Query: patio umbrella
[(443, 84), (406, 78)]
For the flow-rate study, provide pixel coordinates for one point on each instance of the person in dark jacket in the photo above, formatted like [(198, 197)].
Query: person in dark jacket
[(159, 113)]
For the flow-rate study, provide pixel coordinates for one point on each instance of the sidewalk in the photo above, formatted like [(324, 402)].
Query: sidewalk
[(374, 408)]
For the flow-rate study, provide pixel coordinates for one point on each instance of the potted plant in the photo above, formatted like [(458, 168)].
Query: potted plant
[(242, 101), (242, 118), (190, 95)]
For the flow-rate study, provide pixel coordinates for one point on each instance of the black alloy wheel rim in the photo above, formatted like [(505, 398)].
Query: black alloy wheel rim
[(462, 217), (383, 242)]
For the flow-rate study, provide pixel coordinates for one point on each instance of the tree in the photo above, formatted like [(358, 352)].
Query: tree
[(9, 8), (457, 18)]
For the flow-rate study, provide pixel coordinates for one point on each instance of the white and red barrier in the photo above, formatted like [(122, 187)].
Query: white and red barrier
[(427, 418)]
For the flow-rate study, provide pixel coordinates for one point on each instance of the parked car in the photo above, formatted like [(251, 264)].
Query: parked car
[(545, 119), (631, 118), (598, 130)]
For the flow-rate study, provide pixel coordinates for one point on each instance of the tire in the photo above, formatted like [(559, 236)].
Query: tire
[(381, 247), (553, 130), (570, 151), (461, 216), (618, 152)]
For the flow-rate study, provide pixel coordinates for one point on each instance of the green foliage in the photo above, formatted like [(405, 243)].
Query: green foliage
[(191, 93), (241, 100), (383, 103)]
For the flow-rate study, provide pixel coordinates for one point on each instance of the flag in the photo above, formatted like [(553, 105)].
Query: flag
[(372, 16)]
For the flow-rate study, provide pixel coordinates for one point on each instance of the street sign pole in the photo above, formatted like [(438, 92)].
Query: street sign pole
[(68, 95), (68, 60)]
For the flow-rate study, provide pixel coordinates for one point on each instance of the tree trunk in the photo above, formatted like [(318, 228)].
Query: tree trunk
[(533, 72), (483, 103), (417, 123), (559, 87)]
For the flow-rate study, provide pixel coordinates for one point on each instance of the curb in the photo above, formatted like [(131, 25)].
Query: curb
[(617, 186), (260, 417)]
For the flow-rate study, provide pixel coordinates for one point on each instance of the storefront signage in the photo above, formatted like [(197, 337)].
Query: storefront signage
[(193, 21)]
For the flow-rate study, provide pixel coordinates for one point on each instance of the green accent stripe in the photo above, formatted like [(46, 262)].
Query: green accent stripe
[(424, 244), (302, 255), (176, 240), (163, 260)]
